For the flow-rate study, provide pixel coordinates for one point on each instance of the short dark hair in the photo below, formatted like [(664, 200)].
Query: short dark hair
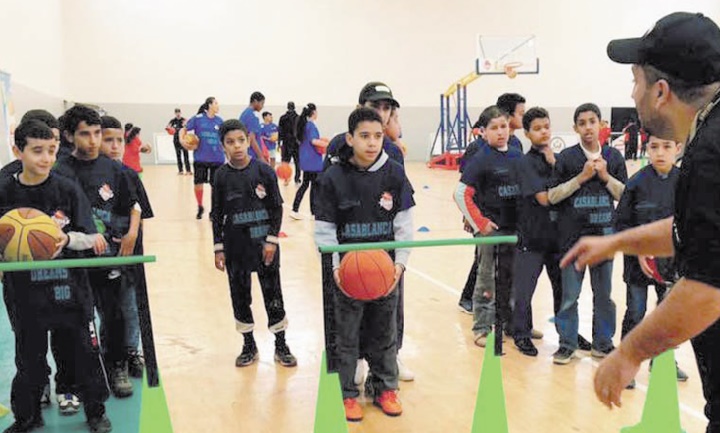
[(43, 116), (588, 106), (177, 110), (490, 113), (32, 129), (109, 122), (508, 102), (532, 114), (360, 115), (77, 114), (256, 97), (266, 113), (231, 125), (685, 91)]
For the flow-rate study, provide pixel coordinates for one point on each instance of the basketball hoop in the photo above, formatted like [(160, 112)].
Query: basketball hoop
[(510, 69)]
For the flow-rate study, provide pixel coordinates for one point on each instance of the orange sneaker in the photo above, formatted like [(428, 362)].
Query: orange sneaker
[(389, 403), (353, 410)]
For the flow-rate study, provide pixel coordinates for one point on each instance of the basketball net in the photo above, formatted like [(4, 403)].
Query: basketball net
[(511, 69)]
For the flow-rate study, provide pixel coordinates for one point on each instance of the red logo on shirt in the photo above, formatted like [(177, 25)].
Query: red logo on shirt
[(105, 192), (60, 219), (260, 191), (386, 201)]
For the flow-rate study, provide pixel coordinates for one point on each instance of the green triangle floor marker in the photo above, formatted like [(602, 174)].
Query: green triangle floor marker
[(330, 411), (661, 413), (3, 411), (154, 414), (490, 415)]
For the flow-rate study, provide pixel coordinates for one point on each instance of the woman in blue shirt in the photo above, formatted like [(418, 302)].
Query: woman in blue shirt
[(311, 155)]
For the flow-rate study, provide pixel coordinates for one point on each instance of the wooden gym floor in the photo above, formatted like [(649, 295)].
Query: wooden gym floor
[(197, 343)]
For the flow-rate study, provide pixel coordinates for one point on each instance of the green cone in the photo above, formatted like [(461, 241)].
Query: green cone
[(330, 411), (490, 415), (154, 414), (661, 413)]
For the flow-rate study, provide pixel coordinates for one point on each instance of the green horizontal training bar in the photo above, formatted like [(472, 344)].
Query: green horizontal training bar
[(75, 263), (489, 240)]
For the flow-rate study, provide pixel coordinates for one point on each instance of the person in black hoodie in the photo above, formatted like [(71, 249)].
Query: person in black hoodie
[(289, 145)]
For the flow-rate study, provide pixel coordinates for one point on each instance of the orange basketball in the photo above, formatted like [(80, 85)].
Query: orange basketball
[(170, 130), (191, 141), (284, 171), (27, 234), (367, 275)]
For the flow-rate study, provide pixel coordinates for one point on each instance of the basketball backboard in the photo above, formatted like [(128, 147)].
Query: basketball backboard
[(506, 55)]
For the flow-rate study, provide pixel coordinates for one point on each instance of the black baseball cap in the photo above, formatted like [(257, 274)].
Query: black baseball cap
[(682, 44), (377, 91)]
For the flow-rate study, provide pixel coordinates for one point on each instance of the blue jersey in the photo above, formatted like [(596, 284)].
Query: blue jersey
[(310, 159), (252, 123), (268, 129), (206, 128)]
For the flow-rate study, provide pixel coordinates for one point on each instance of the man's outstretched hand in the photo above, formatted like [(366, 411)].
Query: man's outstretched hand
[(589, 251)]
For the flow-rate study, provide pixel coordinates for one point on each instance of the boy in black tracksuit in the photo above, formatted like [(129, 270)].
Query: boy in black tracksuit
[(587, 179), (649, 196), (487, 197), (366, 198), (112, 201), (537, 228), (113, 146), (246, 215), (51, 299)]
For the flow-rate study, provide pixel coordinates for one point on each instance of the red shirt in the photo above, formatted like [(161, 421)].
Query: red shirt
[(132, 154), (604, 135)]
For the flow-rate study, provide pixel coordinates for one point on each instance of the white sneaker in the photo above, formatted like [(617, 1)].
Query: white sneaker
[(68, 404), (404, 373), (360, 371), (296, 216)]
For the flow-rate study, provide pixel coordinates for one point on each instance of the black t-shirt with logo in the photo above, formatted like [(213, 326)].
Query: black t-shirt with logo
[(493, 175), (363, 204), (697, 206), (49, 292), (109, 191), (246, 208), (589, 210), (537, 224), (648, 197)]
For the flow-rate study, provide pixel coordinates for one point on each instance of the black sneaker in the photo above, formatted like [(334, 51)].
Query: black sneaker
[(284, 357), (200, 212), (526, 346), (45, 397), (631, 385), (563, 356), (466, 306), (136, 364), (121, 385), (681, 375), (26, 426), (583, 344), (248, 356), (601, 352), (369, 388), (100, 424)]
